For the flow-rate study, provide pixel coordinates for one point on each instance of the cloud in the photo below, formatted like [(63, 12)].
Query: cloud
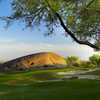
[(6, 40), (11, 51)]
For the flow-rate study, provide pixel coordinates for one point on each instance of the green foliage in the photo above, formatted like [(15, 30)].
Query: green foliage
[(84, 63), (95, 59), (81, 16), (91, 66), (72, 60), (97, 43), (77, 64)]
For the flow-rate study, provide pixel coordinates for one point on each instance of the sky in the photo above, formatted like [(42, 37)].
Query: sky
[(17, 41)]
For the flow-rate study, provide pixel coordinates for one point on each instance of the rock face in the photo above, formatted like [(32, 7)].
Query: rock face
[(38, 60)]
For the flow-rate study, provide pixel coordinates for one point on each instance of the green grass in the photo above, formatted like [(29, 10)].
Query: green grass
[(32, 76), (65, 90), (93, 73), (26, 86)]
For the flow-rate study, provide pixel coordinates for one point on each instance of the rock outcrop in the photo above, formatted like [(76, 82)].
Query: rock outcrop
[(38, 60)]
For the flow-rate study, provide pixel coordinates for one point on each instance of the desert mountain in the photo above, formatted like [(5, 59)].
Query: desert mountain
[(43, 59)]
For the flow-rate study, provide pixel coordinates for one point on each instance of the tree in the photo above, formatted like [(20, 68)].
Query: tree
[(95, 59), (80, 19), (72, 60)]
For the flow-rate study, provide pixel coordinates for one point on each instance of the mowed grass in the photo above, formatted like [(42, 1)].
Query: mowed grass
[(26, 86), (94, 73), (33, 76), (65, 90)]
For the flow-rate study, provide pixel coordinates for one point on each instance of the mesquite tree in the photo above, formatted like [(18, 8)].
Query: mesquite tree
[(80, 19)]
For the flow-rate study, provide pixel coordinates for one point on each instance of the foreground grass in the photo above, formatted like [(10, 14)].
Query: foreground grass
[(93, 73), (25, 86), (65, 90)]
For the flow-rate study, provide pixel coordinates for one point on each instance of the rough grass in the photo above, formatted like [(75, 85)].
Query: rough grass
[(25, 86)]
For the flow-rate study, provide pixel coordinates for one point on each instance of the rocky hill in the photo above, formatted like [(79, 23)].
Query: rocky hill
[(38, 60)]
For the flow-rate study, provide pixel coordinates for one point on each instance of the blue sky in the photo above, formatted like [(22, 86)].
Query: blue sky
[(16, 42)]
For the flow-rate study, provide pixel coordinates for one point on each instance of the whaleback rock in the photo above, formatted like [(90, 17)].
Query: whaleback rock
[(34, 61)]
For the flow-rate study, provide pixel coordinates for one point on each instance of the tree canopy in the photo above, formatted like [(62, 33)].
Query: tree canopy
[(95, 59), (80, 19)]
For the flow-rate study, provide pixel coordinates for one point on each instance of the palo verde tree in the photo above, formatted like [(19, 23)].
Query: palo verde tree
[(80, 19)]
